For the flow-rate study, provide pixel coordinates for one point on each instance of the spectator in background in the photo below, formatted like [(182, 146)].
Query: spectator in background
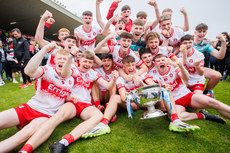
[(22, 55), (11, 60), (33, 48), (224, 64), (2, 63)]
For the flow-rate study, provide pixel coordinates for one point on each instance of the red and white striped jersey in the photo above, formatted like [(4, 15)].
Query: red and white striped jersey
[(105, 76), (179, 89), (52, 91), (83, 83), (88, 38), (117, 57), (194, 77)]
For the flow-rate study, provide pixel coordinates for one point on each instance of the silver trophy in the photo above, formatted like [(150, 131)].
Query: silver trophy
[(148, 96)]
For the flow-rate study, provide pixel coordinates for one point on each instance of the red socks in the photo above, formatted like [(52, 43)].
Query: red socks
[(69, 138), (27, 147), (105, 121), (174, 117), (200, 115), (97, 103)]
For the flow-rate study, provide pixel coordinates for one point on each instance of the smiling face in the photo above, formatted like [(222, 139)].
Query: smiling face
[(200, 34), (125, 44), (85, 64), (153, 44), (62, 35), (137, 30), (107, 64), (147, 58), (16, 34), (60, 60)]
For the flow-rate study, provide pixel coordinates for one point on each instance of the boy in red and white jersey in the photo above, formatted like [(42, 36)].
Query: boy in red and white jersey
[(125, 13), (194, 64), (87, 33), (153, 42), (184, 97), (50, 95), (119, 52), (106, 72), (171, 34)]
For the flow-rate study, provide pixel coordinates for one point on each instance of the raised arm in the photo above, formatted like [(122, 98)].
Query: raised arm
[(184, 73), (32, 69), (220, 54), (112, 8), (39, 35), (186, 23), (98, 14), (106, 29)]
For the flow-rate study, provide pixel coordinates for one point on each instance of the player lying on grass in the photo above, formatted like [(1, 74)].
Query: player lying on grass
[(124, 88), (175, 76), (52, 90)]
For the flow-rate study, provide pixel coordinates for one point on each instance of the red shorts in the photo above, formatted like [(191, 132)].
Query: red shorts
[(196, 87), (80, 106), (185, 101), (26, 114)]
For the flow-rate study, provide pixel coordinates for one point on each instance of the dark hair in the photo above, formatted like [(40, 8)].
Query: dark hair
[(225, 33), (126, 35), (16, 29), (187, 37), (121, 20), (125, 7), (144, 51), (87, 13), (159, 56), (128, 59), (106, 55), (202, 26), (71, 37), (142, 14)]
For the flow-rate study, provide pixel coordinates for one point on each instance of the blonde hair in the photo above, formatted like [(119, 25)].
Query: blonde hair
[(63, 30)]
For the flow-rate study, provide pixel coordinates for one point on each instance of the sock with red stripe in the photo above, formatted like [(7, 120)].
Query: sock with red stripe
[(105, 121), (174, 117), (27, 148), (200, 115), (67, 139)]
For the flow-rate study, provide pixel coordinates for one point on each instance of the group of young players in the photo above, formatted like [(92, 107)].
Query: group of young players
[(75, 82)]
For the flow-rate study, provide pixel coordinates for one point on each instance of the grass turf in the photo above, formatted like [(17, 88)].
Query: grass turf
[(132, 135)]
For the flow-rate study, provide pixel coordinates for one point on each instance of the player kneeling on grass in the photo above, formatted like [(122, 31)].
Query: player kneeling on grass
[(124, 88), (184, 97), (50, 95)]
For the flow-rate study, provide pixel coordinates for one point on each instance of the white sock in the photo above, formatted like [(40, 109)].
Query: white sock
[(64, 142)]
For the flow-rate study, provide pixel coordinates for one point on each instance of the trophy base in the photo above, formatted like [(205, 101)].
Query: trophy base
[(156, 113)]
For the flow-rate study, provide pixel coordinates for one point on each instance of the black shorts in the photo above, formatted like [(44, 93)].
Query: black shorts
[(13, 66)]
